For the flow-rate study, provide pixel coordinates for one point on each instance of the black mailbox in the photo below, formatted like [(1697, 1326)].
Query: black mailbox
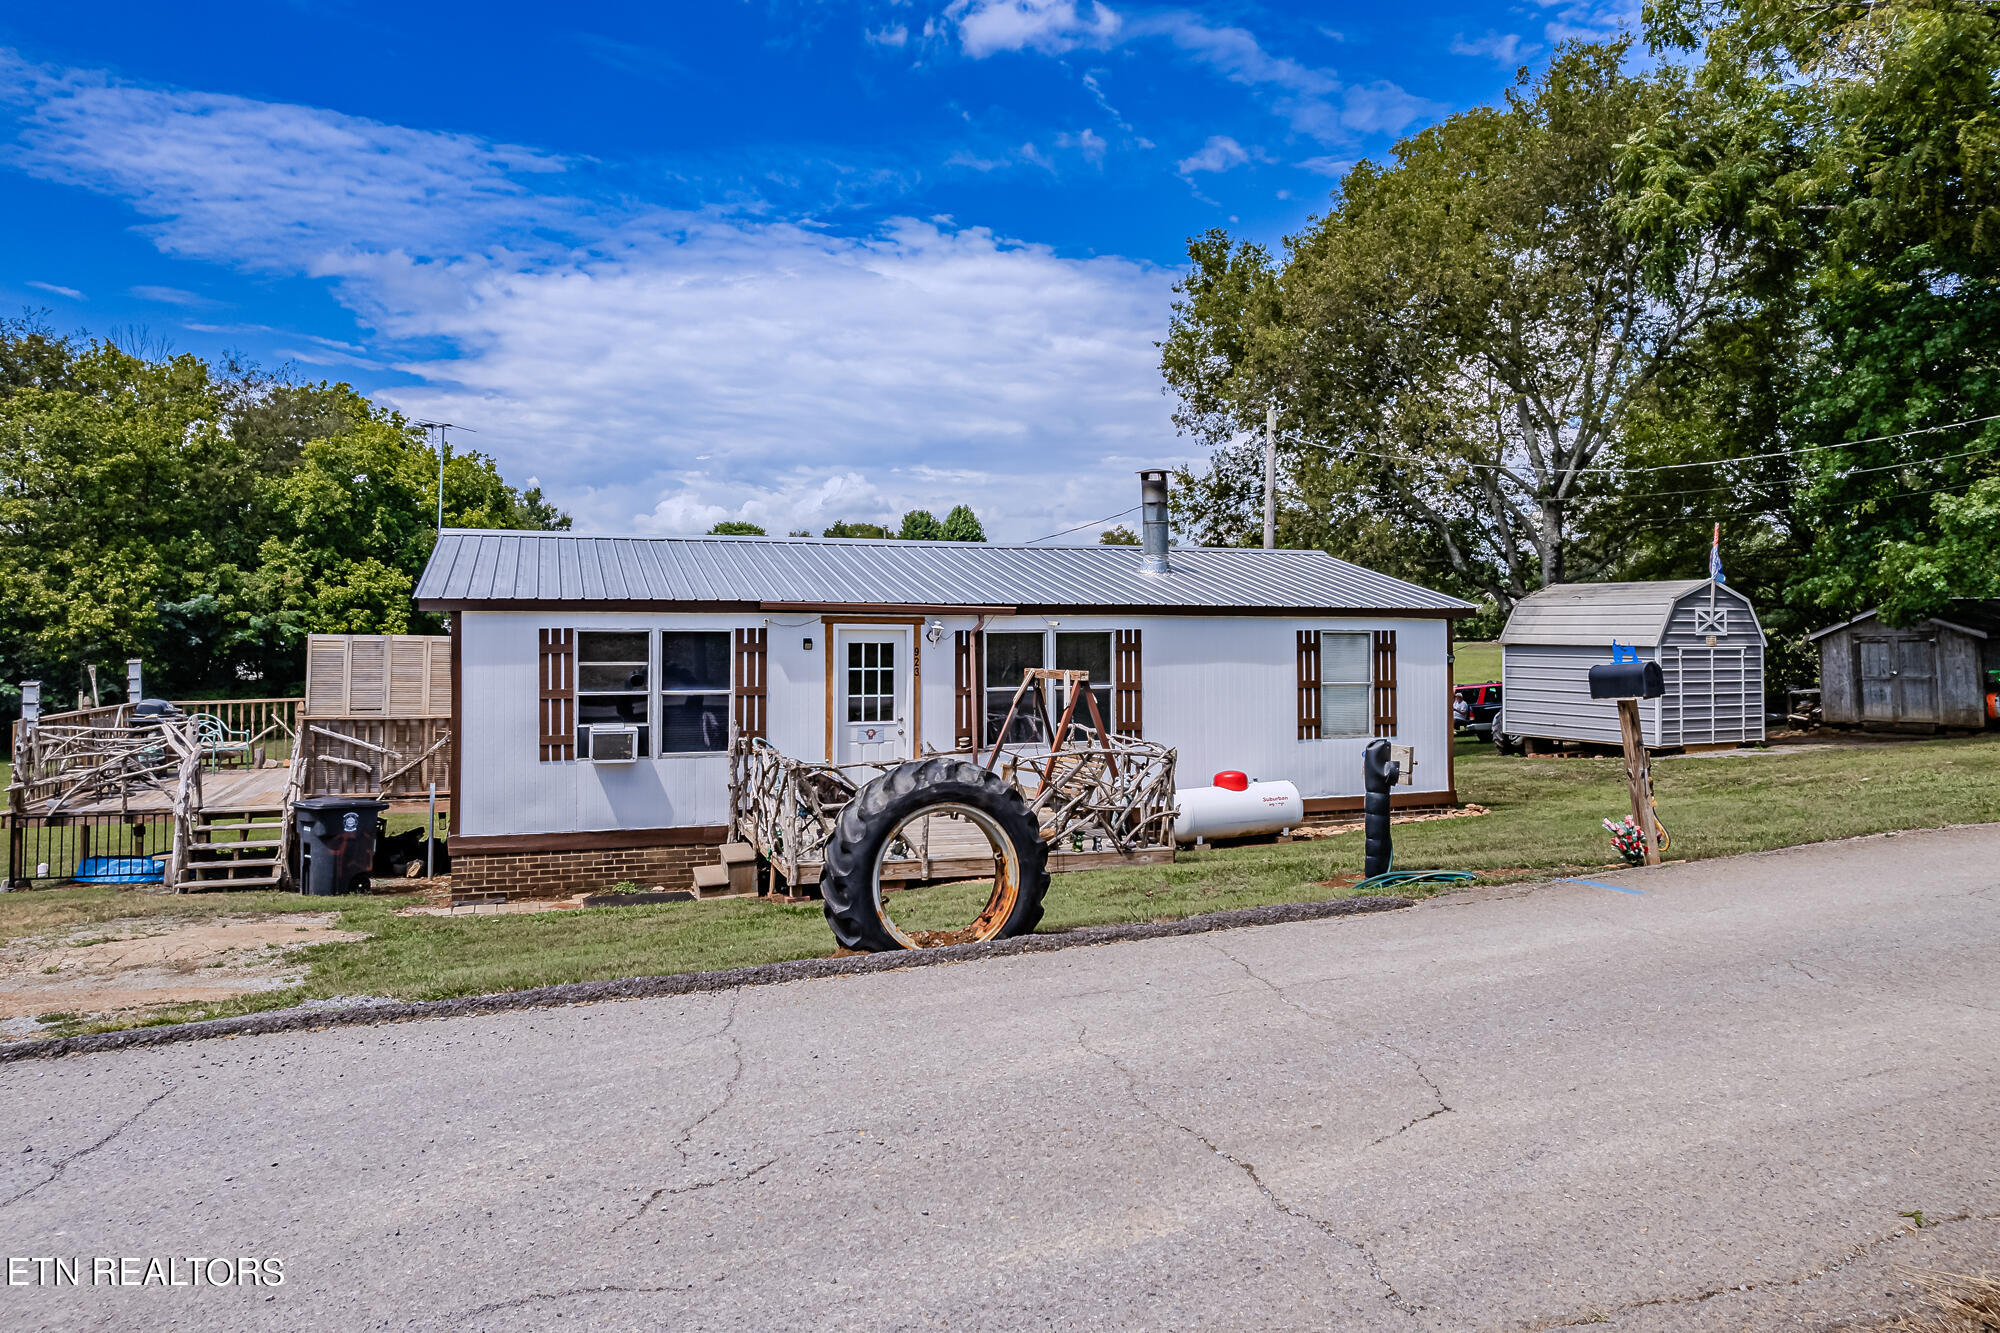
[(1627, 680)]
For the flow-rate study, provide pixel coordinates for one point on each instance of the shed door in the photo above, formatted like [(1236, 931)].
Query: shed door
[(1713, 696), (1875, 673), (1916, 679)]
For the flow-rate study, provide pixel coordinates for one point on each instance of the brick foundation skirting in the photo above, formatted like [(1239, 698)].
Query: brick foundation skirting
[(561, 874)]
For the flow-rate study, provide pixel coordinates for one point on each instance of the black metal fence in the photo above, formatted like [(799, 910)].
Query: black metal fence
[(50, 848)]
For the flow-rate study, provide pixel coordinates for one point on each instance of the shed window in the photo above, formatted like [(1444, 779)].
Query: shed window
[(1344, 684), (611, 685), (694, 691)]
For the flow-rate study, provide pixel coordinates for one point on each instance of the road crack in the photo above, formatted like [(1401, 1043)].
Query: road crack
[(665, 1193), (728, 1089), (1250, 1174), (1437, 1094), (1860, 1251), (56, 1171)]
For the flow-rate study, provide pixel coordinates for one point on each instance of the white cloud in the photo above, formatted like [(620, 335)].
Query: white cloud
[(989, 26), (1506, 48), (894, 35), (1220, 153), (822, 375), (1590, 20), (1087, 142), (171, 296), (68, 293), (1328, 166)]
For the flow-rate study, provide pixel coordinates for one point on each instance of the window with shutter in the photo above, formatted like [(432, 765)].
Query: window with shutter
[(1309, 696), (1385, 682), (1129, 703), (557, 669), (751, 692)]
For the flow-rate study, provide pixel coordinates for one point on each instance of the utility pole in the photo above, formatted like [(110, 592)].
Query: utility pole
[(441, 427), (1270, 476)]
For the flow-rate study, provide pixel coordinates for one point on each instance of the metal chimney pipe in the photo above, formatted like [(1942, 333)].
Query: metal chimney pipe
[(1153, 522)]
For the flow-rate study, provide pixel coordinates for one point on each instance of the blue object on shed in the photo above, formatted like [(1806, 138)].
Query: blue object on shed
[(120, 870)]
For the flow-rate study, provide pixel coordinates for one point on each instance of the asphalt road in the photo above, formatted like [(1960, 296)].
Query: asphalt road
[(1706, 1103)]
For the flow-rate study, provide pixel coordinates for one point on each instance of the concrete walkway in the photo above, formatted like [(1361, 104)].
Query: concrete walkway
[(1705, 1103)]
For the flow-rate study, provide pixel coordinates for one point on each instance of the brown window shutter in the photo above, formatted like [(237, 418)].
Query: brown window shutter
[(558, 675), (1128, 699), (752, 678), (964, 694), (1385, 682), (1309, 699)]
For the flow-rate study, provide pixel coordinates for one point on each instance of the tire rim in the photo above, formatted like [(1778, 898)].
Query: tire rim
[(999, 904)]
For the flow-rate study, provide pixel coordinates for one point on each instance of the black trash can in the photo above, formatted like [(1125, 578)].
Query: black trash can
[(336, 842)]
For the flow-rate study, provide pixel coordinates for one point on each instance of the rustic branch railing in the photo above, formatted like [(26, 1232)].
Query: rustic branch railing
[(48, 752), (1117, 791), (394, 758), (253, 717)]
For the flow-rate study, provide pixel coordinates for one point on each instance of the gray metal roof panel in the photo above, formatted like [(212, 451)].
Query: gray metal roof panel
[(498, 568), (1592, 613)]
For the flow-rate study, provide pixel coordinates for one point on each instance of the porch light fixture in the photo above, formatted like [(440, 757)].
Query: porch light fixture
[(934, 632)]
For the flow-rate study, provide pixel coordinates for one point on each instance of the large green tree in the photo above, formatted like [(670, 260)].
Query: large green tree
[(205, 518), (1876, 128), (1457, 349)]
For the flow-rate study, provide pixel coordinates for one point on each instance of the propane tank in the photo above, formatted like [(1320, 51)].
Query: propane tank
[(1224, 811)]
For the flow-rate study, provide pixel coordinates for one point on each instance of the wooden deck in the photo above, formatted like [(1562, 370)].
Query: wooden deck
[(223, 791)]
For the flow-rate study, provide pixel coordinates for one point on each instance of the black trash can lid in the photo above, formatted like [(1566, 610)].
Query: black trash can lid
[(337, 804)]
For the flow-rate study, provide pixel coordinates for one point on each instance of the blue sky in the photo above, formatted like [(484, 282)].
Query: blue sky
[(780, 261)]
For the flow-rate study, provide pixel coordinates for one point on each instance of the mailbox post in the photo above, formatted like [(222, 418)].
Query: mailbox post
[(1628, 680)]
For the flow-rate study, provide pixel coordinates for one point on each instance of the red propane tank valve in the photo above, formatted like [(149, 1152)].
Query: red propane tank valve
[(1231, 780)]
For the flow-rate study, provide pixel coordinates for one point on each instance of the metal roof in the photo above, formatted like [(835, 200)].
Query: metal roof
[(1571, 613), (496, 570), (1979, 617)]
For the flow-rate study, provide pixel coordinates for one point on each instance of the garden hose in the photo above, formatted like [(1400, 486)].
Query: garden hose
[(1393, 879)]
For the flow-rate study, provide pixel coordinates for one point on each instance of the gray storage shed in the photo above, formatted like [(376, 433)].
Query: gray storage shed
[(1704, 635), (1923, 676)]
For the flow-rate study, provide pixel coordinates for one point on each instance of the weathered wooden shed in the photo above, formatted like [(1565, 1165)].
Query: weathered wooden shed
[(1931, 674), (1704, 635)]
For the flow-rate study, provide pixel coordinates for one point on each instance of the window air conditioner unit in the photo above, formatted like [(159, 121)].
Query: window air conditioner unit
[(613, 745)]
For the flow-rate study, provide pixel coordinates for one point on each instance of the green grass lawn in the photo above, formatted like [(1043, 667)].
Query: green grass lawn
[(1475, 663), (1543, 821)]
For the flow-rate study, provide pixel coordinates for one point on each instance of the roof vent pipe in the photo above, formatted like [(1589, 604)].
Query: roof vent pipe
[(1153, 522)]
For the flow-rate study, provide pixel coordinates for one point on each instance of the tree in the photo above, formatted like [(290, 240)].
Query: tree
[(206, 517), (962, 525), (1457, 346), (1882, 120), (735, 527), (920, 525), (843, 528), (1118, 536)]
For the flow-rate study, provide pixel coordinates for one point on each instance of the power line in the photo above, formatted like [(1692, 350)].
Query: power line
[(1669, 467), (1081, 526)]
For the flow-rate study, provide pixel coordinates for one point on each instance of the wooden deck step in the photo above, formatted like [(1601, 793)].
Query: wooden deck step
[(242, 825), (254, 882)]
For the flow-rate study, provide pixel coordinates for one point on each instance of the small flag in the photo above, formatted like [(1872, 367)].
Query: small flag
[(1715, 557)]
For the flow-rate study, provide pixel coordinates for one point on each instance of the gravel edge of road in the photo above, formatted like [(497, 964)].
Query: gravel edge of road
[(685, 983)]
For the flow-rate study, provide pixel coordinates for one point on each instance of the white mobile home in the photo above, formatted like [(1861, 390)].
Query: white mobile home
[(1704, 635), (598, 681)]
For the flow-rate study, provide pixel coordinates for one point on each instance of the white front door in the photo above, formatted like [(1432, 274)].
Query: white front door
[(871, 694)]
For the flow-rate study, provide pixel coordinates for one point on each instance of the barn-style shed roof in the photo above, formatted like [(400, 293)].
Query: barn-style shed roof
[(1599, 613), (1979, 617), (482, 570)]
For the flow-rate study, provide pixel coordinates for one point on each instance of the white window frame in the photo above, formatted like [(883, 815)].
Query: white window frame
[(1052, 697), (658, 647), (583, 747), (1366, 685)]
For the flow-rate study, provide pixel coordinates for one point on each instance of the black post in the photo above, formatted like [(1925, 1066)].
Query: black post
[(1378, 775)]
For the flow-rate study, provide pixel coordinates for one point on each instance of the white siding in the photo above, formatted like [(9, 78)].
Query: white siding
[(1715, 694), (1222, 690)]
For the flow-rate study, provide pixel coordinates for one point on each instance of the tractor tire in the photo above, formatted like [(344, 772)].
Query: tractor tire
[(851, 893)]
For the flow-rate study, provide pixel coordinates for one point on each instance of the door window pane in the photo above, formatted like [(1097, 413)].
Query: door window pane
[(871, 682)]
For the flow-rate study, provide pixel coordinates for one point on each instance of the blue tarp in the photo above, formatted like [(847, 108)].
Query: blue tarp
[(121, 870)]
